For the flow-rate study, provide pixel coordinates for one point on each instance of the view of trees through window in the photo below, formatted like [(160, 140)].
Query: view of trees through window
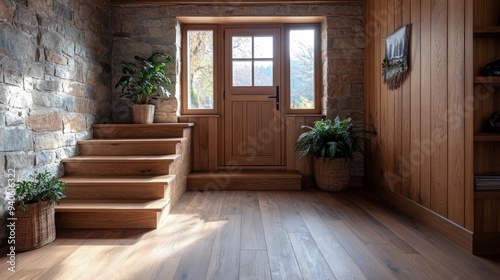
[(301, 54), (200, 69), (252, 61)]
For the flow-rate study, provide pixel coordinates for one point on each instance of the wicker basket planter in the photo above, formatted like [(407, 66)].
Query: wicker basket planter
[(332, 174), (36, 226)]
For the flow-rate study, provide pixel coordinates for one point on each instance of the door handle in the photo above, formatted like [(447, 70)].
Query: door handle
[(277, 96)]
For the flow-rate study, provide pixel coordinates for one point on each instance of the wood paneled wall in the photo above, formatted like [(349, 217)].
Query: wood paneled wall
[(422, 150), (205, 141)]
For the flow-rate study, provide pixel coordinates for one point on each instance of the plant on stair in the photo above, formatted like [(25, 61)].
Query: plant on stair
[(34, 210), (142, 82)]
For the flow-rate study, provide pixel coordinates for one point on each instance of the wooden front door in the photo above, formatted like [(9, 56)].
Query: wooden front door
[(252, 114)]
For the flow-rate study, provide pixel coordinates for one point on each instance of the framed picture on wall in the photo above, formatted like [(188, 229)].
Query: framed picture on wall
[(395, 64)]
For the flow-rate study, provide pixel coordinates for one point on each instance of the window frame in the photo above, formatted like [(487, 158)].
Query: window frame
[(219, 66), (185, 110), (317, 68)]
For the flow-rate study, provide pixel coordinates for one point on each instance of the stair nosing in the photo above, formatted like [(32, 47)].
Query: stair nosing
[(153, 158), (132, 180), (66, 206), (132, 141)]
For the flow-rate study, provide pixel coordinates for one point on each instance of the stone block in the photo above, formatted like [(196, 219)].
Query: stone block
[(16, 117), (19, 160), (347, 9), (348, 43), (344, 22), (74, 123), (45, 99), (29, 84), (48, 140), (15, 44), (57, 43), (64, 72), (63, 11), (346, 66), (36, 70), (56, 86), (340, 90), (166, 106), (84, 106), (46, 121), (26, 20), (55, 57), (16, 139), (19, 98), (161, 117), (45, 157), (13, 77), (346, 54), (77, 89)]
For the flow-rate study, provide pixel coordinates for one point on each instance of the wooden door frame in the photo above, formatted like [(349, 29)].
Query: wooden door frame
[(222, 119)]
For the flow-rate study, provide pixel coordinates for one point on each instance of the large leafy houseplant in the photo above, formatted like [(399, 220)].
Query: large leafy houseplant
[(44, 188), (145, 79), (34, 210), (329, 139), (333, 144)]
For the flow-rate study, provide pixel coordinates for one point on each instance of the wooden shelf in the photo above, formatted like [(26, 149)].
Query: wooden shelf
[(487, 194), (487, 32), (486, 137), (486, 80)]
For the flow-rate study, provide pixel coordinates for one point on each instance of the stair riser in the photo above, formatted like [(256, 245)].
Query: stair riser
[(116, 191), (116, 168), (241, 184), (128, 149), (137, 132), (91, 220)]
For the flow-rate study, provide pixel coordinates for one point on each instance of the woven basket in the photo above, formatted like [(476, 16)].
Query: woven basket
[(332, 174), (35, 227)]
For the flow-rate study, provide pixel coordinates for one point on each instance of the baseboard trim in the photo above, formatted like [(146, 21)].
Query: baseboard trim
[(447, 228)]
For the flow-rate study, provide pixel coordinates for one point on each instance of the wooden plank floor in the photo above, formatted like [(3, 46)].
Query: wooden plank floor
[(260, 235)]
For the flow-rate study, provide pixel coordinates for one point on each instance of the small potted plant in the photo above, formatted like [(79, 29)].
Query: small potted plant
[(34, 210), (145, 81), (333, 145)]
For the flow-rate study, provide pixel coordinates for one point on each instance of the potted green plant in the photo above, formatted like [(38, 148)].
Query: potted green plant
[(34, 210), (333, 145), (144, 81)]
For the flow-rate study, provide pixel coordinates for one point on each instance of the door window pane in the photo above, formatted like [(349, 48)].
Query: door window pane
[(263, 73), (200, 69), (242, 47), (263, 47), (242, 73), (301, 69)]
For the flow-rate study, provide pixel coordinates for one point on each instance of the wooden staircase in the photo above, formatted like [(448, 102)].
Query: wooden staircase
[(128, 176)]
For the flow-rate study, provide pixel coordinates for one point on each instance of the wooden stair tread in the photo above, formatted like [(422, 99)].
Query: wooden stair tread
[(77, 205), (122, 158), (247, 174), (117, 179), (125, 125), (131, 141)]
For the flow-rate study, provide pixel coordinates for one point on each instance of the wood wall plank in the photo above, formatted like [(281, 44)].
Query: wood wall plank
[(415, 156), (406, 113), (205, 143), (439, 109), (456, 125)]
